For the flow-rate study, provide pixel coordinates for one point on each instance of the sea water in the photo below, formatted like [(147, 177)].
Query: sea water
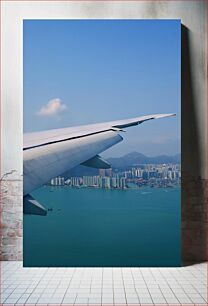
[(89, 227)]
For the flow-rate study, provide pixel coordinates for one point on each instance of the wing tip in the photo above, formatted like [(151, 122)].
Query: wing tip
[(166, 115), (173, 115)]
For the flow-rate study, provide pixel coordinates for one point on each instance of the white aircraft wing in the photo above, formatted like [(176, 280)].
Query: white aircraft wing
[(50, 153)]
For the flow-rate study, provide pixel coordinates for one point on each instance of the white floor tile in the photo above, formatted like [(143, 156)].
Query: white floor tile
[(133, 295), (10, 301), (119, 300), (69, 300), (94, 301), (196, 298), (187, 285), (107, 300), (132, 300), (81, 301)]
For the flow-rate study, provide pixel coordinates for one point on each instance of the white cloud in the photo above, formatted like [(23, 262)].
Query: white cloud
[(53, 108)]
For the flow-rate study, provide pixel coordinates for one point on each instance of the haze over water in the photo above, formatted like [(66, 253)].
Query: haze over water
[(99, 227)]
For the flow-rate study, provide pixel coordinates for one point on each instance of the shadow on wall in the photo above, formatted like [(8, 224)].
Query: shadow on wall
[(194, 204)]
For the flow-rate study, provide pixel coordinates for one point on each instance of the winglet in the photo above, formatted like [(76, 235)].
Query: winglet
[(138, 120)]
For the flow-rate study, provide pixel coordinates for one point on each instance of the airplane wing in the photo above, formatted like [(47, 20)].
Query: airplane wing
[(35, 139), (48, 154)]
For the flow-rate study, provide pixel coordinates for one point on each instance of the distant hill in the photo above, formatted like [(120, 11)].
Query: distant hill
[(136, 158), (124, 162)]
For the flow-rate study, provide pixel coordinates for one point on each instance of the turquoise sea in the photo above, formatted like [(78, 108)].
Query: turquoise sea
[(99, 227)]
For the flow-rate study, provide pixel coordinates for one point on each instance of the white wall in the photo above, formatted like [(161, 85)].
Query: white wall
[(194, 105)]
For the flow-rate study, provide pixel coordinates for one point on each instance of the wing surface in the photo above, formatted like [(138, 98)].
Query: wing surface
[(50, 153), (32, 140)]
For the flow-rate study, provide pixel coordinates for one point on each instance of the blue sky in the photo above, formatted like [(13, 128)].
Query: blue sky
[(87, 71)]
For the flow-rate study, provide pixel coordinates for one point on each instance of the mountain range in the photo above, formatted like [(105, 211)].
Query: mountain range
[(136, 158), (125, 162)]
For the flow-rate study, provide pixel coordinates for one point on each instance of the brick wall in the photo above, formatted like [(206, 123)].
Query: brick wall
[(194, 219), (11, 217)]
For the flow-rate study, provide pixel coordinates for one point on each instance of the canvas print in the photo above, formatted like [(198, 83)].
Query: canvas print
[(102, 156)]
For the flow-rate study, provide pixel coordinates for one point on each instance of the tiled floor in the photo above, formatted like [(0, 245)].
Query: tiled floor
[(103, 286)]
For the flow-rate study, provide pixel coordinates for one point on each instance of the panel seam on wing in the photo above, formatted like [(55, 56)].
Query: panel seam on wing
[(69, 138)]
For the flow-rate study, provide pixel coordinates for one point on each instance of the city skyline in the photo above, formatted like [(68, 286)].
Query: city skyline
[(87, 71), (153, 175)]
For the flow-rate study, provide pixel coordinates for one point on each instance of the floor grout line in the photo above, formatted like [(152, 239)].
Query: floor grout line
[(182, 286)]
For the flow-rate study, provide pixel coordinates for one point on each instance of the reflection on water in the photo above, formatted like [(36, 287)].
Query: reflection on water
[(146, 192)]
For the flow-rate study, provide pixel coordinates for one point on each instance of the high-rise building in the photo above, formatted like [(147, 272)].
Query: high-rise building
[(60, 181), (107, 182), (102, 172), (88, 181), (113, 182), (53, 182), (95, 180), (109, 172), (100, 182), (169, 175), (128, 174), (122, 182), (57, 181), (133, 172), (117, 182)]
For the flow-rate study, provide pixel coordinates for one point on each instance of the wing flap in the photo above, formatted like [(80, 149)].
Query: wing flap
[(97, 162)]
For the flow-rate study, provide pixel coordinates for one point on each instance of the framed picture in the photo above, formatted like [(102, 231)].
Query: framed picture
[(102, 156)]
